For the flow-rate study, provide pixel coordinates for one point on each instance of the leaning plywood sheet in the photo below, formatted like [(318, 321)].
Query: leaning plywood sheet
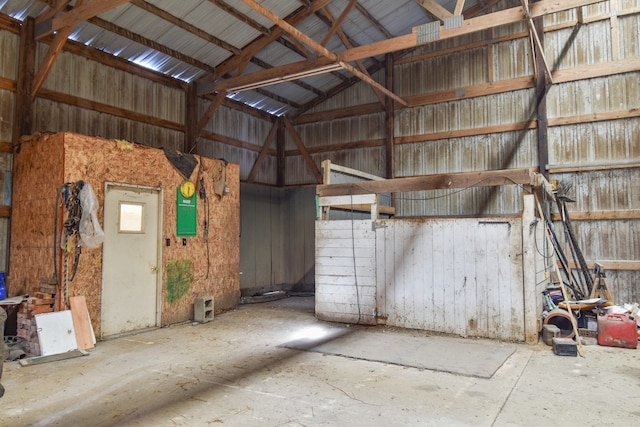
[(82, 323)]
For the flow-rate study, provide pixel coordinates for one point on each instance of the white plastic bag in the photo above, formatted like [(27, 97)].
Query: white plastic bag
[(91, 234)]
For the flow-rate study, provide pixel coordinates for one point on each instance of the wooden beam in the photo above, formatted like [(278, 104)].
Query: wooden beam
[(319, 48), (347, 44), (623, 265), (263, 152), (615, 32), (537, 27), (77, 14), (211, 110), (459, 7), (5, 211), (109, 26), (258, 44), (588, 167), (50, 57), (600, 215), (336, 22), (339, 113), (191, 120), (431, 182), (281, 163), (23, 116), (108, 109), (389, 121), (480, 23), (285, 26), (373, 21), (162, 14), (462, 133), (536, 34), (305, 154), (6, 147), (233, 142), (59, 6), (331, 148), (241, 16), (435, 9)]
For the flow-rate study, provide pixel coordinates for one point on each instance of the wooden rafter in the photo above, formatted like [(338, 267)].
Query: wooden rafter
[(305, 154), (215, 103), (373, 21), (109, 26), (241, 16), (459, 7), (318, 48), (435, 9), (162, 14), (250, 50), (77, 14), (536, 38), (263, 152), (348, 45), (336, 22), (50, 57)]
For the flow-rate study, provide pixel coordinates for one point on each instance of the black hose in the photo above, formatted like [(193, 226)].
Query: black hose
[(572, 238)]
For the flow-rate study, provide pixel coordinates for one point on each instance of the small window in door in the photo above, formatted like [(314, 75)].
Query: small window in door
[(131, 218)]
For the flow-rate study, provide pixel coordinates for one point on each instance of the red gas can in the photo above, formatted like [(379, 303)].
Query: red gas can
[(617, 330)]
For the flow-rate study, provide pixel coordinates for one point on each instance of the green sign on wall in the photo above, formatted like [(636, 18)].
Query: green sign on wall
[(186, 219)]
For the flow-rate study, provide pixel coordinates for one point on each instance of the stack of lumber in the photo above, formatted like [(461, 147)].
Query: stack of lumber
[(38, 303)]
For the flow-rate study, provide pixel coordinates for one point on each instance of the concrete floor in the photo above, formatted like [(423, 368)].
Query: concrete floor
[(232, 372)]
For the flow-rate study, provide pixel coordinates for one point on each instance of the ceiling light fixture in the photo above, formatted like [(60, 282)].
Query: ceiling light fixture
[(286, 78)]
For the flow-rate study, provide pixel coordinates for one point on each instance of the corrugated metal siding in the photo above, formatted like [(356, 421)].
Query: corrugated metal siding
[(630, 46), (9, 45), (590, 46), (487, 152), (595, 143), (90, 80), (358, 94), (442, 72), (512, 59), (55, 117), (599, 95), (504, 108), (339, 131), (7, 109)]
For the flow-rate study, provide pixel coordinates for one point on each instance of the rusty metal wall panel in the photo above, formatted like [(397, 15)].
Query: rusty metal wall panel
[(630, 46), (598, 95), (592, 45), (512, 59), (55, 117), (76, 76), (358, 94), (486, 152), (7, 109), (504, 108), (9, 46), (595, 143), (339, 131), (442, 73)]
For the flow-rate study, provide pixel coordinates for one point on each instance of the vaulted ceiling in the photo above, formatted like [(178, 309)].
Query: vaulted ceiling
[(279, 56)]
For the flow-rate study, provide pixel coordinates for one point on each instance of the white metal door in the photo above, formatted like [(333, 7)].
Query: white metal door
[(130, 266)]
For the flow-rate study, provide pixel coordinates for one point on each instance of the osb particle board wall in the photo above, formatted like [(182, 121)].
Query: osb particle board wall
[(45, 161)]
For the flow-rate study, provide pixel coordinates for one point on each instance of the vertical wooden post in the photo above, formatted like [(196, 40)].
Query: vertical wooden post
[(541, 100), (191, 120), (390, 119), (23, 118), (280, 141)]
